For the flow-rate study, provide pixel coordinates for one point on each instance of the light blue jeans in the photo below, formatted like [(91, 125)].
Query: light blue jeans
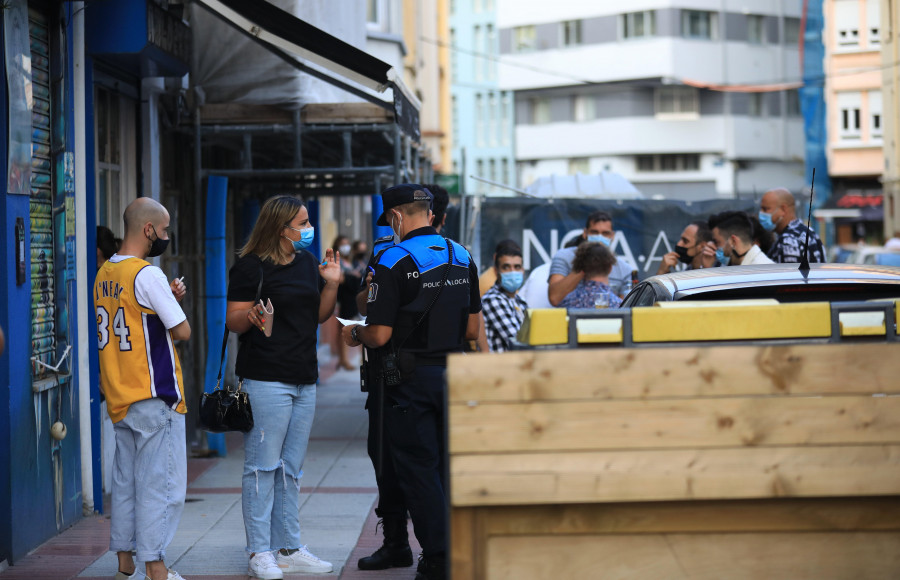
[(149, 480), (274, 451)]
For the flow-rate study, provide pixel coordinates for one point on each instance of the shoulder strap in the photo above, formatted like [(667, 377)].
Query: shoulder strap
[(225, 338)]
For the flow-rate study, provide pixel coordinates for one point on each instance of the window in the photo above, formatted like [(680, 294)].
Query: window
[(454, 73), (490, 49), (791, 31), (540, 111), (505, 175), (524, 38), (584, 107), (668, 162), (479, 119), (479, 168), (698, 24), (376, 15), (875, 115), (579, 165), (873, 20), (478, 45), (757, 105), (793, 103), (849, 105), (571, 33), (846, 20), (488, 5), (454, 119), (638, 24), (756, 29), (505, 130), (492, 120), (677, 102)]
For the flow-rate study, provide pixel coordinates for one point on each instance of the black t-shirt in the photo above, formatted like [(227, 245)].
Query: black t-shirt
[(289, 355)]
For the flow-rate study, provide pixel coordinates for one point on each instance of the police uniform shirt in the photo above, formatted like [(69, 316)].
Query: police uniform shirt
[(398, 281), (135, 311), (380, 245)]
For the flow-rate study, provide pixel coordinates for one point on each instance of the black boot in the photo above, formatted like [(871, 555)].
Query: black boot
[(433, 568), (395, 552)]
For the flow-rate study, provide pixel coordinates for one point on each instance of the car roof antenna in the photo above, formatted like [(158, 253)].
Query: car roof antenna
[(804, 257)]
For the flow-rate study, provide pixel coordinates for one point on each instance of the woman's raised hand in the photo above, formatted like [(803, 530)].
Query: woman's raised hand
[(330, 268)]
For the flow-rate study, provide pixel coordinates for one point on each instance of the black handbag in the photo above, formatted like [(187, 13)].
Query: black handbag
[(228, 409)]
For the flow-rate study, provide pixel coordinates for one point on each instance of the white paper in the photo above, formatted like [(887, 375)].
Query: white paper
[(346, 322)]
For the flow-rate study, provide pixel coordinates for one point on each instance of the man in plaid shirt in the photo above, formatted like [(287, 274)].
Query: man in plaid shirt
[(502, 307)]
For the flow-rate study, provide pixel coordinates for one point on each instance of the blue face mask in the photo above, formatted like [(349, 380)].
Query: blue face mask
[(598, 238), (306, 238), (766, 220), (721, 258), (511, 281)]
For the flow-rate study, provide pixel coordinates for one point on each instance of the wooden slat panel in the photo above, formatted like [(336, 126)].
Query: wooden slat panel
[(463, 543), (697, 557), (556, 558), (618, 476), (674, 423), (344, 113), (763, 515), (674, 372)]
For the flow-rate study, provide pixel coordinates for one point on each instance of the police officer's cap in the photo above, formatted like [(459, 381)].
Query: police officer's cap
[(402, 194)]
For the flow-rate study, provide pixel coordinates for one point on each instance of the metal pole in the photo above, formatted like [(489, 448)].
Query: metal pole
[(397, 156), (198, 285), (298, 140), (81, 270)]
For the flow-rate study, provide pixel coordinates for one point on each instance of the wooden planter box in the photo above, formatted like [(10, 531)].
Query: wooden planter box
[(688, 462)]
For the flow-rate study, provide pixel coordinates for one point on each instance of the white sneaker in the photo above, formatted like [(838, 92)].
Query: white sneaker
[(173, 575), (303, 561), (264, 566), (137, 575)]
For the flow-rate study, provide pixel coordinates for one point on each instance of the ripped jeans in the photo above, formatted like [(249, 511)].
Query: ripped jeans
[(274, 451)]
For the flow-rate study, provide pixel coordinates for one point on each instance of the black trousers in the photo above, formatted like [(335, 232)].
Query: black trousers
[(390, 495), (415, 421)]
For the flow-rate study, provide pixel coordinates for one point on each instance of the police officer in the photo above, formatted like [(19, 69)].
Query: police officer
[(423, 303), (394, 551)]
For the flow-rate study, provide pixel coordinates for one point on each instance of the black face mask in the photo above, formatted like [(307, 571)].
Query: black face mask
[(157, 246), (683, 255)]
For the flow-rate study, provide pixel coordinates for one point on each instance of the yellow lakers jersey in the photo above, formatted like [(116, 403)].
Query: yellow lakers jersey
[(137, 354)]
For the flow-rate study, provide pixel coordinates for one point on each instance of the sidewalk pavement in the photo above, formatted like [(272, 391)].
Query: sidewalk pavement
[(337, 518)]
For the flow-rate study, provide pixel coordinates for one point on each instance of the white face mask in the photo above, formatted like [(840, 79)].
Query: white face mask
[(344, 249), (399, 218)]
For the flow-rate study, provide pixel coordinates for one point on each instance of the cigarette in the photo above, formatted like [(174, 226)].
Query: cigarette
[(181, 279)]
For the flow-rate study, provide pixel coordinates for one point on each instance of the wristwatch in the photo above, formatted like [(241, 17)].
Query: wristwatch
[(354, 333)]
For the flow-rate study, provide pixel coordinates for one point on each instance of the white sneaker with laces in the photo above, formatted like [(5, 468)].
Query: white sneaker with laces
[(303, 561), (173, 575), (264, 566)]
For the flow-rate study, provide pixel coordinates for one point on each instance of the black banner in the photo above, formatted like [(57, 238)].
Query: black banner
[(645, 229), (405, 114)]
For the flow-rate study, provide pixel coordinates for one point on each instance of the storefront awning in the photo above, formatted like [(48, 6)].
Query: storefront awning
[(291, 38)]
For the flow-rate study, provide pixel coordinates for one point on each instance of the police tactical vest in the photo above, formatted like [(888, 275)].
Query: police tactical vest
[(443, 330)]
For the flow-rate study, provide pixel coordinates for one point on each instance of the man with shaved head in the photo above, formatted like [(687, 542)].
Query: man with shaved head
[(138, 320), (777, 212)]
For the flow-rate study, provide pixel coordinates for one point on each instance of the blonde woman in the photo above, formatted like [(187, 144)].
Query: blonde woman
[(279, 372)]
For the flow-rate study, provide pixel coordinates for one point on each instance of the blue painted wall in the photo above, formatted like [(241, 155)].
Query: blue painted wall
[(29, 514)]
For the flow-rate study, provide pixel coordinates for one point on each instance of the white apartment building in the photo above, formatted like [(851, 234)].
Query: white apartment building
[(645, 88)]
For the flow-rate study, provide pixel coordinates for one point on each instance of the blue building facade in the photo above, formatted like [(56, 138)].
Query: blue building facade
[(482, 115), (50, 359)]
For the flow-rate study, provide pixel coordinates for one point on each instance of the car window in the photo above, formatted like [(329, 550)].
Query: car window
[(642, 295), (888, 259), (837, 292)]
